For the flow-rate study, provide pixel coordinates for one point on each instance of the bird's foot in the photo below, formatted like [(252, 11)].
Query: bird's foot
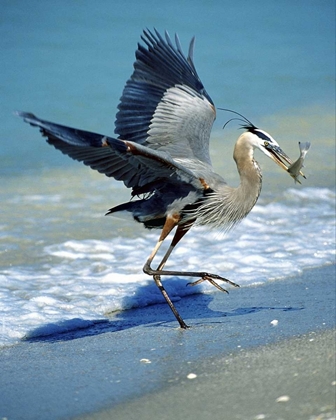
[(210, 278)]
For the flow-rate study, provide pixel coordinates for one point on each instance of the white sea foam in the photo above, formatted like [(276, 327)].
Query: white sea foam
[(88, 279)]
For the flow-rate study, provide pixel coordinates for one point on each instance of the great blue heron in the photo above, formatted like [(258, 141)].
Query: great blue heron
[(162, 152)]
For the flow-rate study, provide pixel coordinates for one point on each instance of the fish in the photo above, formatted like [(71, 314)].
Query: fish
[(294, 169)]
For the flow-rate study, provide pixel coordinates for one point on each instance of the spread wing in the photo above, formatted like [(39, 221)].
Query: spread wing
[(164, 123), (138, 166), (164, 104)]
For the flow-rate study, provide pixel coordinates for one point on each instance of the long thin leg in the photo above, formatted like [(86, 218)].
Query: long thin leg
[(181, 230), (171, 222), (205, 276), (157, 278)]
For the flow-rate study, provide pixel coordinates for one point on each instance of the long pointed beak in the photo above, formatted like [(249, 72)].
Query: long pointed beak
[(278, 156)]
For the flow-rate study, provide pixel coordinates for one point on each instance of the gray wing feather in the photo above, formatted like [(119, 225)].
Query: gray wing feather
[(144, 114), (134, 164), (164, 122)]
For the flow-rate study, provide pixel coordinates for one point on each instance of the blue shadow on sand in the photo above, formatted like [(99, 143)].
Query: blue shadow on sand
[(194, 309)]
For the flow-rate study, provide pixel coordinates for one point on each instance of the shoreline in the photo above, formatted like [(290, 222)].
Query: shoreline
[(139, 357)]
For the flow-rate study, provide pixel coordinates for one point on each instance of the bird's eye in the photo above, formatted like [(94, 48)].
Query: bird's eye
[(266, 143)]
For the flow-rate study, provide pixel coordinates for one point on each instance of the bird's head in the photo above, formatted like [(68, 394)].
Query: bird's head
[(263, 141), (255, 138)]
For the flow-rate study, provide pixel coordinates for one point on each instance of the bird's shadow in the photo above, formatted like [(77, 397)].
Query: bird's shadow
[(195, 307)]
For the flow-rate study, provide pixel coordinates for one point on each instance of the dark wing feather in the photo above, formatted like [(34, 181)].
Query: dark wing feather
[(83, 146), (136, 165), (164, 104), (164, 122)]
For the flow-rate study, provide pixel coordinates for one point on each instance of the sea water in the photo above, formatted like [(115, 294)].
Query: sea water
[(60, 258)]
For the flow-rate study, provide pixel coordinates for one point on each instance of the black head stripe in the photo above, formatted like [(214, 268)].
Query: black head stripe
[(261, 135)]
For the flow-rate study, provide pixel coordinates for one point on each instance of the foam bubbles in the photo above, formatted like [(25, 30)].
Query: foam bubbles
[(76, 282)]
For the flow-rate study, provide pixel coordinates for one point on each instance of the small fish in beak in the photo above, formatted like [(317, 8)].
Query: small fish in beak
[(294, 169)]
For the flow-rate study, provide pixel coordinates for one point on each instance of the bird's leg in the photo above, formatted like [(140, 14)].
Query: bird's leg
[(212, 281), (204, 276), (157, 280), (171, 222), (181, 230)]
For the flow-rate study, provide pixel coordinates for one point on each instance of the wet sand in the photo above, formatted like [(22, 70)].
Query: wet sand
[(263, 352), (294, 379)]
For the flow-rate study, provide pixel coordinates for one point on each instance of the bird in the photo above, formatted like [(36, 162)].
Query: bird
[(161, 152)]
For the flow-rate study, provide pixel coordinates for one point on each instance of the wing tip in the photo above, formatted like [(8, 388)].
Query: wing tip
[(28, 117), (24, 114)]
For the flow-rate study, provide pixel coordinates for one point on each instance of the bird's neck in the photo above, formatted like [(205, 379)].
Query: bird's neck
[(226, 206), (247, 193), (236, 203)]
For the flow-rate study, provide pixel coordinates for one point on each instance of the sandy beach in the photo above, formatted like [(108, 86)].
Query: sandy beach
[(294, 379), (263, 352)]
